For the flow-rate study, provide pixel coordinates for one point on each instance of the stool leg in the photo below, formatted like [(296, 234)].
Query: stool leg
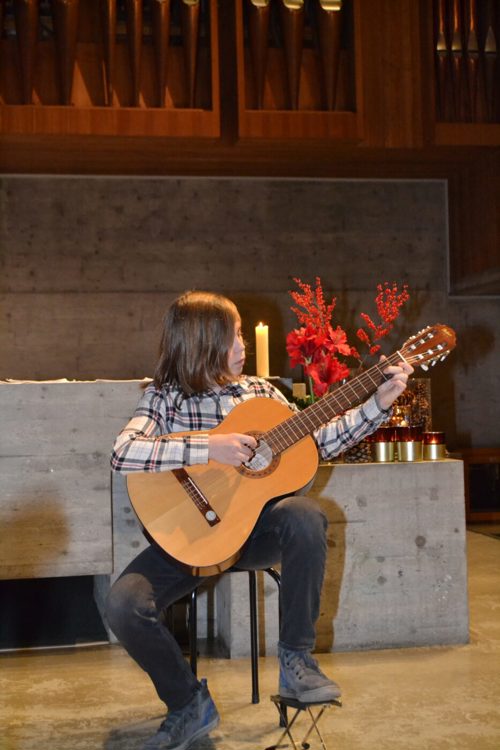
[(287, 730), (277, 578), (314, 725), (193, 632), (254, 645)]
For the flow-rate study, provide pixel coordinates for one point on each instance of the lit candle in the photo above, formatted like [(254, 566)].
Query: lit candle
[(433, 438), (262, 350)]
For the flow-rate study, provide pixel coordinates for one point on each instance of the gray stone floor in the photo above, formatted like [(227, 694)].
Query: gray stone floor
[(441, 698)]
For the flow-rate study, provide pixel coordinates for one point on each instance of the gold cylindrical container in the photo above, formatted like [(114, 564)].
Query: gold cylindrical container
[(434, 452), (383, 452), (434, 446), (383, 445), (410, 450)]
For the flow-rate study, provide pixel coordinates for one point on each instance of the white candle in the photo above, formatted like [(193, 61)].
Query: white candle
[(262, 350)]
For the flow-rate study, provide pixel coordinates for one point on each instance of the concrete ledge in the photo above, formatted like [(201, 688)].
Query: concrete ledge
[(396, 573)]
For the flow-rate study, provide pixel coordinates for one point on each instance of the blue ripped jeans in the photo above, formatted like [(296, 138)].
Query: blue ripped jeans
[(290, 531)]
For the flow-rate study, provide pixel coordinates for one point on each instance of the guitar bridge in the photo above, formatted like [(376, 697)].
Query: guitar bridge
[(197, 496)]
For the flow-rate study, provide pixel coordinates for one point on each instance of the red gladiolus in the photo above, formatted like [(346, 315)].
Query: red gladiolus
[(336, 341), (326, 371), (302, 343)]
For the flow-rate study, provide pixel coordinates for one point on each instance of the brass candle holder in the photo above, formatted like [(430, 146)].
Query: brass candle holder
[(434, 447), (409, 444), (383, 445)]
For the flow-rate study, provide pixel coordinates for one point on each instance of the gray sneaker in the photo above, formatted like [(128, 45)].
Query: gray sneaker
[(187, 724), (302, 679)]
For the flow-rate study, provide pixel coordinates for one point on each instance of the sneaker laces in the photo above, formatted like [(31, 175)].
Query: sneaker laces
[(300, 662), (172, 721), (295, 661), (175, 718)]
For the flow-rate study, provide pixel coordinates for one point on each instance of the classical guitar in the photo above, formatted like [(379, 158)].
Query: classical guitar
[(202, 515)]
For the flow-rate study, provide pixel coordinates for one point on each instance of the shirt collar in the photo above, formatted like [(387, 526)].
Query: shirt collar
[(231, 389)]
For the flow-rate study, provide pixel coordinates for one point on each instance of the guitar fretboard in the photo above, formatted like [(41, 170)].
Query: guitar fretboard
[(289, 432)]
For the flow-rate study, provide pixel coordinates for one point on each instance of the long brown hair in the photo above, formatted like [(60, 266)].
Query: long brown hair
[(198, 333)]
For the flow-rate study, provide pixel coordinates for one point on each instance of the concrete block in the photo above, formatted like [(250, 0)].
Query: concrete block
[(55, 508), (396, 573)]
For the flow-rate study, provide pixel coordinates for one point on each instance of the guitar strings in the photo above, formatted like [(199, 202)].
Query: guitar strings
[(287, 433)]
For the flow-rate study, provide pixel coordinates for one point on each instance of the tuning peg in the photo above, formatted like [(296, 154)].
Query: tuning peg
[(424, 367)]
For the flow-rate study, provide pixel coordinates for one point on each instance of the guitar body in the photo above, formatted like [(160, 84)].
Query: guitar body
[(177, 525)]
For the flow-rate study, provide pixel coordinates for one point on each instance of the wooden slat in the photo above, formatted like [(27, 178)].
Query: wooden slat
[(466, 134), (391, 50), (180, 123)]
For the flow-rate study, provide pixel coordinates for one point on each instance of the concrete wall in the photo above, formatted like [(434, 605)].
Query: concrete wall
[(89, 264)]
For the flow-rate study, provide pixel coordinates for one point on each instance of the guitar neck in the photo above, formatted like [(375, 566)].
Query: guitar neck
[(305, 422)]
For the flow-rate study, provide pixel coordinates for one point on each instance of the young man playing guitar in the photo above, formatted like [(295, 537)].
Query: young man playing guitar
[(197, 383)]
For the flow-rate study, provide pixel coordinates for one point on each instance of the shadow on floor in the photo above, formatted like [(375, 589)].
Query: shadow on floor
[(133, 737)]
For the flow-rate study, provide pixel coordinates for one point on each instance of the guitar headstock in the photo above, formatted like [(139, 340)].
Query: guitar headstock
[(431, 345)]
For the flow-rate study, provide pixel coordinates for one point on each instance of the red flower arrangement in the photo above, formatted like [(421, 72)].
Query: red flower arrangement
[(388, 301), (317, 345)]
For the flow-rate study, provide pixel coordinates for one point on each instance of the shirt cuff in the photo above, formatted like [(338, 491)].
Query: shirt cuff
[(196, 449), (373, 410)]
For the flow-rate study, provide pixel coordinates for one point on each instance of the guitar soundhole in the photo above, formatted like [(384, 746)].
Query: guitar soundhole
[(263, 461)]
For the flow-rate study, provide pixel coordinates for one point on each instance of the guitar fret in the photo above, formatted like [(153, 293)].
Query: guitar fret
[(305, 416), (284, 439), (372, 380), (290, 430), (321, 407)]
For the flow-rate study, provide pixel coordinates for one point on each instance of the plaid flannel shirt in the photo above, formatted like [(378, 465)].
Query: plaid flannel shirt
[(149, 441)]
